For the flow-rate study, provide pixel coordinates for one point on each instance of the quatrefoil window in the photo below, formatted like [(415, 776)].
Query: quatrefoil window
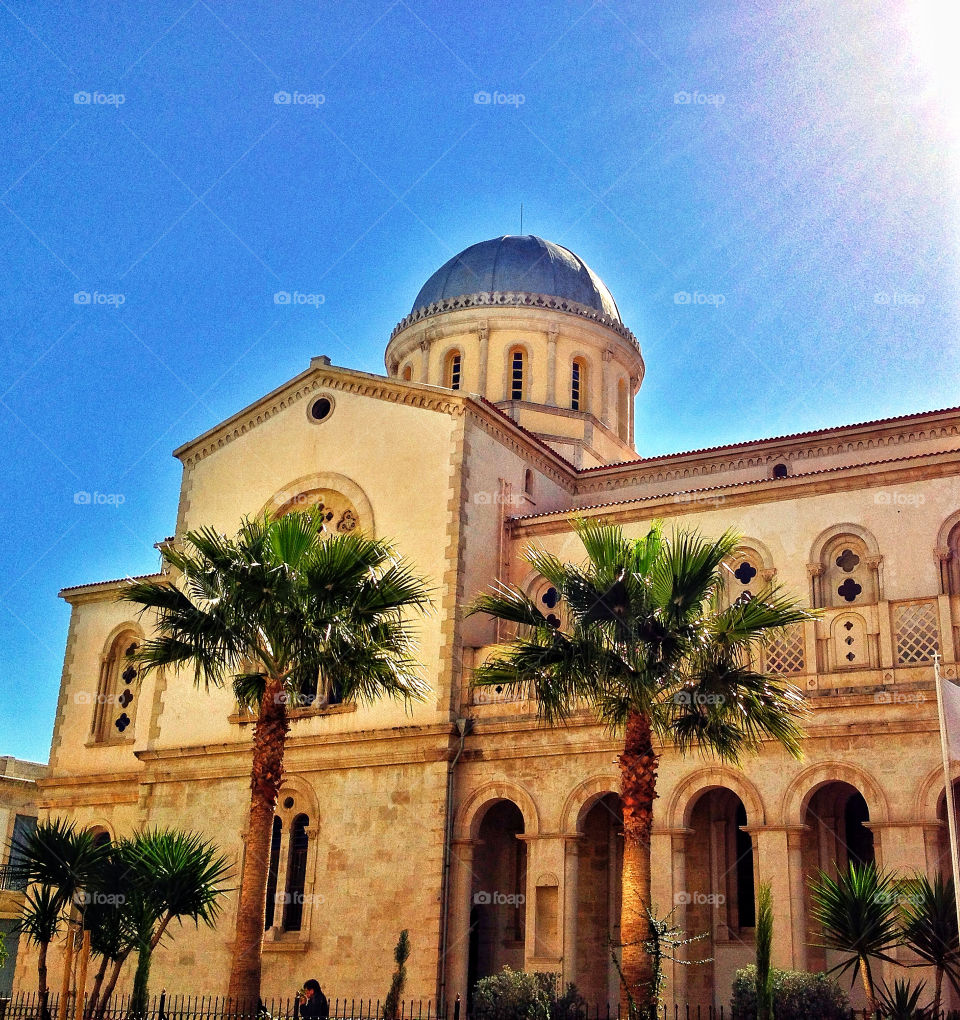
[(848, 560), (849, 590), (125, 699), (129, 675), (745, 573), (550, 598), (122, 722), (553, 621)]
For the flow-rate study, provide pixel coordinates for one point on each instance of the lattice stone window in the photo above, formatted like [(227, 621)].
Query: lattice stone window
[(785, 652), (915, 632)]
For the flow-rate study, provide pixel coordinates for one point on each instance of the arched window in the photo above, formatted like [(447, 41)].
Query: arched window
[(407, 373), (296, 874), (516, 379), (528, 483), (743, 576), (578, 385), (451, 370), (623, 420), (952, 567), (273, 873), (849, 574), (114, 710)]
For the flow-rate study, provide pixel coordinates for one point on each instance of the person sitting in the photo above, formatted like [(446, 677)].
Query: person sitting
[(313, 1003)]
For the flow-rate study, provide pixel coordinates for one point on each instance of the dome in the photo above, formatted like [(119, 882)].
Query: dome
[(519, 263)]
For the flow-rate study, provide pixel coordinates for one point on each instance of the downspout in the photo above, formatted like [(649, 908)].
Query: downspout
[(463, 727)]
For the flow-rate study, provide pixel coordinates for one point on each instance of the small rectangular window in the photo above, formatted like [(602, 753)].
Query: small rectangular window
[(516, 388)]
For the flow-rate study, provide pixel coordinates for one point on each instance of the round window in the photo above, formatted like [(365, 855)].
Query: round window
[(320, 409)]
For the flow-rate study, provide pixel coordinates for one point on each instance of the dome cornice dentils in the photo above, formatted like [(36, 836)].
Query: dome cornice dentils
[(513, 299)]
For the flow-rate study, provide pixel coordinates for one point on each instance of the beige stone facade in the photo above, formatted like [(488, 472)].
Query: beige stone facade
[(463, 468)]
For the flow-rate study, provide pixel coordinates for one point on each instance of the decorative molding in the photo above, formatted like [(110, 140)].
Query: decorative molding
[(514, 299)]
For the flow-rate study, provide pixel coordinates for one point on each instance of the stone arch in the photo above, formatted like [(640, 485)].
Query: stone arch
[(325, 480), (947, 555), (470, 813), (582, 798), (929, 791), (304, 795), (100, 825), (127, 627), (835, 531), (688, 791), (805, 785)]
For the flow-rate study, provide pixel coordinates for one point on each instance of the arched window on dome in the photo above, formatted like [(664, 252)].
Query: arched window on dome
[(516, 369), (452, 366), (578, 385), (407, 373), (623, 421)]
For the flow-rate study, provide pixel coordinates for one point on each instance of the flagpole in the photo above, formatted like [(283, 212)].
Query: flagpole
[(951, 810)]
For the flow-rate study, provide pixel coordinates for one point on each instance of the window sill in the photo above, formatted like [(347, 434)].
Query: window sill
[(244, 718), (109, 743)]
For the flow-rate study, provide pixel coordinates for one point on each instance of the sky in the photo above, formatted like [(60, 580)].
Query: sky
[(770, 191)]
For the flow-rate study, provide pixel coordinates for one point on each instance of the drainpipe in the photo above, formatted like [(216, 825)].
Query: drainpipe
[(463, 728)]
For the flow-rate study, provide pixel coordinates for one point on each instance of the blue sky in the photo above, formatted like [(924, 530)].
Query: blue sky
[(795, 162)]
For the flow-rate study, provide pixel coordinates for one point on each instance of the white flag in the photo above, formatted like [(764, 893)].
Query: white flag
[(951, 718)]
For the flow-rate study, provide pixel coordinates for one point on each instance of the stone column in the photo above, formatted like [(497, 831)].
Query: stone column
[(483, 336), (668, 888), (631, 407), (719, 870), (458, 919), (571, 874), (777, 860), (552, 365), (798, 895), (283, 862), (946, 629), (931, 846), (424, 360), (605, 388)]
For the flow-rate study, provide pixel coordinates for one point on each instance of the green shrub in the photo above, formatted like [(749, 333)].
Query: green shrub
[(797, 995), (516, 995)]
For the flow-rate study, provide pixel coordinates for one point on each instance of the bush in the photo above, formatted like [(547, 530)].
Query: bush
[(797, 995), (516, 995)]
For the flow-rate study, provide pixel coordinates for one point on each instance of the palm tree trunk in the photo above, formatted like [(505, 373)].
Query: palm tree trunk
[(638, 788), (938, 989), (266, 775), (868, 988), (42, 981), (95, 991), (138, 1000), (101, 1006)]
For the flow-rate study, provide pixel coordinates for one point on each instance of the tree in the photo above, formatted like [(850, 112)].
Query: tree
[(168, 875), (650, 647), (764, 943), (857, 913), (401, 953), (60, 862), (281, 611), (929, 920), (40, 920)]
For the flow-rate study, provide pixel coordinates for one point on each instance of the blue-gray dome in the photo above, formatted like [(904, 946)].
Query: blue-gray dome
[(521, 263)]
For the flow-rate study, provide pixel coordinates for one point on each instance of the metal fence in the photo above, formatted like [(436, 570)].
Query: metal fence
[(26, 1006)]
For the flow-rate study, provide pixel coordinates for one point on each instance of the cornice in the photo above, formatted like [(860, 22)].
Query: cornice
[(514, 299), (751, 491)]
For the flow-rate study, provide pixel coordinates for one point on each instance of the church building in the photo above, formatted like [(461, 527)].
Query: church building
[(505, 410)]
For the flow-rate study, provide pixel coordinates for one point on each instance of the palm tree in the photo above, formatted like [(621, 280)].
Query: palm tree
[(929, 920), (167, 875), (650, 647), (40, 920), (281, 611), (857, 913), (106, 918), (63, 861)]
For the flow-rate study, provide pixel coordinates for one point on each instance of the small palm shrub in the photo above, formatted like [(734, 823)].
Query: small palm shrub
[(516, 995), (797, 995)]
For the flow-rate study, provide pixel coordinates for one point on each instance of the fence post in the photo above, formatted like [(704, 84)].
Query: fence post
[(456, 1007)]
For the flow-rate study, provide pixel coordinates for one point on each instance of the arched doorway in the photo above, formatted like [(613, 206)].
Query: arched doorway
[(719, 900), (835, 835), (943, 863), (599, 874), (498, 894)]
